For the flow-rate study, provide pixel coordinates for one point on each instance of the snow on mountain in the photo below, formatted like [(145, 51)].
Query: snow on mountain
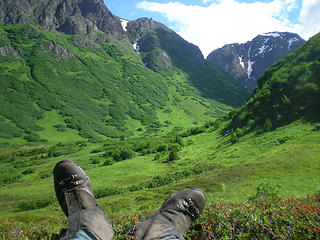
[(271, 34), (292, 40), (250, 69), (246, 62), (136, 47), (241, 62), (262, 49), (124, 24)]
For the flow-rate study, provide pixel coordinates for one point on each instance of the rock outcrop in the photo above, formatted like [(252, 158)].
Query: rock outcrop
[(82, 17)]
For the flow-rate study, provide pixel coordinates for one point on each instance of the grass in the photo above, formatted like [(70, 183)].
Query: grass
[(133, 174), (288, 156), (186, 108), (59, 91), (52, 134)]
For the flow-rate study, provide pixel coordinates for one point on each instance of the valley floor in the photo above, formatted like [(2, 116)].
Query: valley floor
[(229, 171)]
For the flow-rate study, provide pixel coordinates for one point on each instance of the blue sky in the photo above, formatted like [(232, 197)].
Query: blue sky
[(213, 23)]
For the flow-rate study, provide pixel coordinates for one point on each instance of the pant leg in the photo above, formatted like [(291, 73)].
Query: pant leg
[(168, 238), (84, 235), (87, 235)]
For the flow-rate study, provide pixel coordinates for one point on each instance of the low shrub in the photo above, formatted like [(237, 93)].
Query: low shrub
[(123, 154), (8, 179), (35, 204), (265, 191), (105, 192), (108, 161), (292, 218), (28, 171), (156, 181)]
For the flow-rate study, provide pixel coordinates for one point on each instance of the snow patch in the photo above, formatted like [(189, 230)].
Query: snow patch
[(292, 40), (124, 24), (241, 62), (250, 69), (249, 63), (271, 34), (262, 49), (136, 47)]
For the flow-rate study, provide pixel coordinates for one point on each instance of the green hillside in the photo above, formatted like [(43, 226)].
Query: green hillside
[(161, 49), (287, 91), (65, 88), (143, 131), (249, 179), (135, 176)]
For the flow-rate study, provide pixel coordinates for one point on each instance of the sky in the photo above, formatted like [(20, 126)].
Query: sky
[(211, 24)]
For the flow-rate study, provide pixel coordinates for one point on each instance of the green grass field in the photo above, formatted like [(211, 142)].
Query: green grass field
[(141, 135), (225, 169)]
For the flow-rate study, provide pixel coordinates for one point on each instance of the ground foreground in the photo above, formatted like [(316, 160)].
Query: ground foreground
[(248, 181), (291, 218)]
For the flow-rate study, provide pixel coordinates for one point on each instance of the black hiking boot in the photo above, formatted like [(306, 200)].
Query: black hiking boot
[(75, 196), (173, 218)]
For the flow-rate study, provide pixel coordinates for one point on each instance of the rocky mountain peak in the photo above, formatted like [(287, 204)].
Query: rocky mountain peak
[(67, 16), (158, 45), (247, 62)]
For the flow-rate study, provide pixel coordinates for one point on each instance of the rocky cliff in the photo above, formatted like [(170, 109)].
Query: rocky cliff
[(159, 46), (83, 17)]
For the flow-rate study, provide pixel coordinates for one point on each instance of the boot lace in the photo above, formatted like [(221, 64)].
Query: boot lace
[(72, 181), (189, 208)]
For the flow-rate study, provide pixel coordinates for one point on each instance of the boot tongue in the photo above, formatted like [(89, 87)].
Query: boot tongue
[(78, 200)]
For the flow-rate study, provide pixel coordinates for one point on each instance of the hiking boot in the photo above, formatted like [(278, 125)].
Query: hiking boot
[(173, 218), (76, 199)]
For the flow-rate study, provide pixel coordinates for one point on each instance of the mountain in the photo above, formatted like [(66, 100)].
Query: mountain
[(287, 91), (132, 177), (69, 72), (247, 62), (161, 49), (82, 17), (58, 90)]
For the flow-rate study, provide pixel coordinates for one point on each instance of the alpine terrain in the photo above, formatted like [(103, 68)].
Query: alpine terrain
[(246, 62), (75, 63), (145, 115)]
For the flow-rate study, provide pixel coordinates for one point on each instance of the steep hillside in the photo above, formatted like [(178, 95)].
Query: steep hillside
[(247, 62), (49, 77), (161, 49), (91, 88), (69, 72), (287, 91), (55, 87)]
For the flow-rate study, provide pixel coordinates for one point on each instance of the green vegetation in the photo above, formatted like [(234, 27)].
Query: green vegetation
[(161, 49), (54, 72), (287, 91), (138, 146), (66, 88), (291, 218), (139, 176)]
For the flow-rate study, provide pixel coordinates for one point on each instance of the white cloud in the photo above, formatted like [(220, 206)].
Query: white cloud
[(207, 1), (229, 21), (310, 18)]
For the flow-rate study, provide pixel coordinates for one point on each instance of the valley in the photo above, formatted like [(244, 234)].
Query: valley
[(145, 114)]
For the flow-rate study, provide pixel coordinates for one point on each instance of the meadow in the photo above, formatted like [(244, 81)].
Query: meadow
[(259, 166), (258, 185)]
